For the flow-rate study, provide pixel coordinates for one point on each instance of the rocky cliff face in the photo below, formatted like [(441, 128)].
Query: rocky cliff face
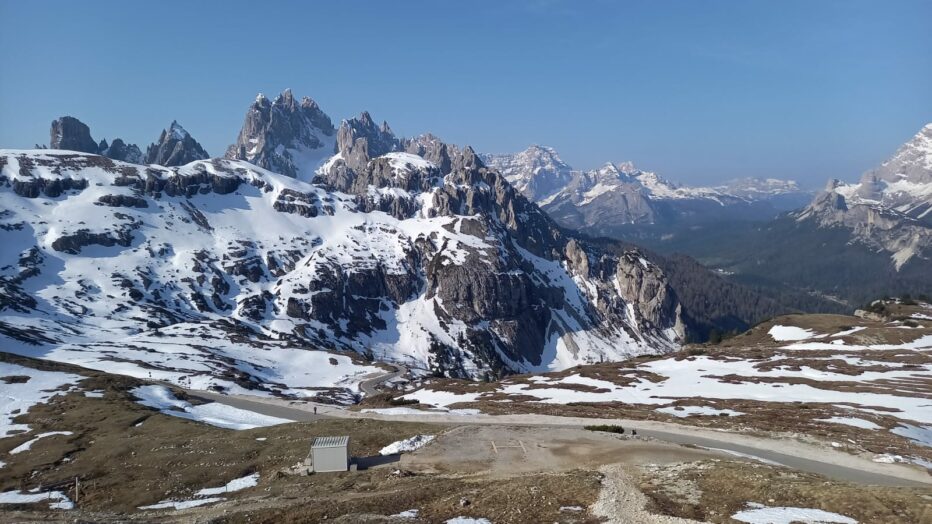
[(513, 285), (449, 269), (401, 249), (360, 140), (285, 136), (889, 209), (175, 147), (71, 134)]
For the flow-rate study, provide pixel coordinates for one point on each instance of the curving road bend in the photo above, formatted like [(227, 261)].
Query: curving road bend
[(795, 455)]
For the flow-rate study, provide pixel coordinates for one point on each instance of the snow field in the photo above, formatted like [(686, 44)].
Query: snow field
[(17, 398)]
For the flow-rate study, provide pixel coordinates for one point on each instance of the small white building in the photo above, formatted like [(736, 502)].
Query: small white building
[(329, 454)]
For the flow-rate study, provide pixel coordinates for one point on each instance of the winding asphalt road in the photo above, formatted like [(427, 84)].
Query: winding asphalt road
[(369, 385)]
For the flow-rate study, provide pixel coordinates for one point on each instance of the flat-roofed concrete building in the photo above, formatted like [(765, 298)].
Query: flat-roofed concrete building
[(329, 454)]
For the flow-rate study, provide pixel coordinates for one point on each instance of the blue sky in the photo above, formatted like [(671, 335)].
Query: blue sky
[(700, 91)]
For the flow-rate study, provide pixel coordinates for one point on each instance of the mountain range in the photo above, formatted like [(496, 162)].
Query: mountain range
[(602, 200), (349, 238), (830, 251), (394, 249)]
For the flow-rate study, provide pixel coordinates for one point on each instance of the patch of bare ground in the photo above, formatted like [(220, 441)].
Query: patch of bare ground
[(713, 490), (372, 495), (127, 455)]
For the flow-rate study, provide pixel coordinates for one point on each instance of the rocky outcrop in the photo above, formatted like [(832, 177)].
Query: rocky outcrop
[(507, 311), (71, 134), (175, 147), (434, 150), (120, 150), (285, 136), (360, 140)]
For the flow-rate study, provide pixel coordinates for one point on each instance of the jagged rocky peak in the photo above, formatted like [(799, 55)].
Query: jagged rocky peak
[(458, 272), (175, 147), (119, 150), (73, 135), (434, 150), (285, 136), (360, 140)]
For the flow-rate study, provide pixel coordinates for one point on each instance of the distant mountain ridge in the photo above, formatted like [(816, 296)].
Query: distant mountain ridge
[(890, 208), (617, 195)]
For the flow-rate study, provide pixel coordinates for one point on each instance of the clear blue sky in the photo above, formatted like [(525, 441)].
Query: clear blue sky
[(699, 91)]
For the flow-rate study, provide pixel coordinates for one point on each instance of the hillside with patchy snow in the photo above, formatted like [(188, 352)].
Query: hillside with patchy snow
[(221, 274)]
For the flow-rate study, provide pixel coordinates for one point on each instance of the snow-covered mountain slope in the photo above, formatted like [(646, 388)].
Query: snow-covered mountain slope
[(620, 194), (228, 274), (890, 208)]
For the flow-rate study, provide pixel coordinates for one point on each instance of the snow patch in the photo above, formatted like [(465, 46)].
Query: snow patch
[(19, 397), (234, 485), (409, 444), (61, 501), (687, 411), (918, 434), (851, 421), (787, 333), (182, 504), (26, 446), (214, 413), (760, 514)]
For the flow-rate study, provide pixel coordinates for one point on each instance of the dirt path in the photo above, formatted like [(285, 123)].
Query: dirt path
[(792, 454), (621, 502)]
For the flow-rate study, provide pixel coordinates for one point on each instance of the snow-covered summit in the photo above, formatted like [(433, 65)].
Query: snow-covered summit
[(177, 132), (537, 172), (541, 175), (175, 147), (620, 193), (890, 208)]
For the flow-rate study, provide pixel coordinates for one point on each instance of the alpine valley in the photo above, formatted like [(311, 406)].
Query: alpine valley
[(829, 251)]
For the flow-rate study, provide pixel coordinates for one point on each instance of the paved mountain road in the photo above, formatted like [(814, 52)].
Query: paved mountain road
[(803, 457), (368, 386)]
